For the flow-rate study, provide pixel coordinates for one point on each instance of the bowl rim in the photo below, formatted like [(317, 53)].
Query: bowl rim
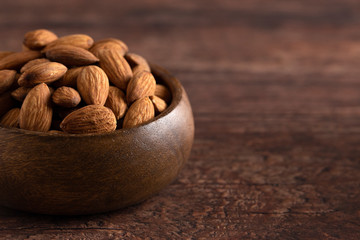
[(165, 77)]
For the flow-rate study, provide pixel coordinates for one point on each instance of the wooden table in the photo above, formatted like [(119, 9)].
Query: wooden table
[(275, 90)]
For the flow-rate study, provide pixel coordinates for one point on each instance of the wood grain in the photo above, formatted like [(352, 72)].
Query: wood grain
[(274, 87)]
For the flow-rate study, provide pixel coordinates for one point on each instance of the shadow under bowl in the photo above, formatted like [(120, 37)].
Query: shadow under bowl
[(91, 173)]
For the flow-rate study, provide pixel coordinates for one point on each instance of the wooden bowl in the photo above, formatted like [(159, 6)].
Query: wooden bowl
[(91, 173)]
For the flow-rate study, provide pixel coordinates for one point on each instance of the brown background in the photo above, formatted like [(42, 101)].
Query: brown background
[(274, 87)]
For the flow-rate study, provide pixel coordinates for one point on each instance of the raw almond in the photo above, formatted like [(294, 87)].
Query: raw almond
[(11, 118), (77, 40), (36, 111), (159, 104), (109, 44), (141, 85), (33, 63), (5, 53), (116, 102), (20, 93), (39, 38), (71, 55), (7, 79), (93, 85), (116, 68), (46, 72), (6, 103), (18, 59), (141, 111), (163, 92), (66, 97), (138, 61), (70, 78), (89, 119)]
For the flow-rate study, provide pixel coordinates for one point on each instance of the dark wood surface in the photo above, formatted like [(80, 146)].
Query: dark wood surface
[(275, 90)]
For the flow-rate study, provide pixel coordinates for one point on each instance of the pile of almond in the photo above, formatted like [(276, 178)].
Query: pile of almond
[(72, 84)]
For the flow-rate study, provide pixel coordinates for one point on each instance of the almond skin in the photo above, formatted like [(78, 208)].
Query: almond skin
[(159, 104), (71, 55), (7, 79), (163, 92), (46, 72), (116, 68), (39, 38), (89, 119), (66, 97), (20, 93), (93, 85), (116, 102), (70, 78), (136, 60), (109, 44), (11, 118), (77, 40), (18, 59), (141, 111), (36, 111), (141, 85), (33, 63), (5, 53)]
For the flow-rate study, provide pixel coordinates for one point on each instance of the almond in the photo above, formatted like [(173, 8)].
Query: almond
[(141, 111), (7, 79), (36, 112), (46, 72), (71, 56), (77, 40), (116, 68), (70, 78), (6, 103), (109, 44), (33, 63), (39, 38), (66, 97), (159, 104), (20, 93), (11, 118), (163, 92), (93, 85), (18, 59), (141, 85), (89, 119), (136, 60), (5, 53), (116, 102)]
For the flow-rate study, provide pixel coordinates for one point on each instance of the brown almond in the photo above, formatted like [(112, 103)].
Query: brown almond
[(93, 85), (71, 55), (109, 44), (39, 38), (6, 103), (42, 73), (36, 111), (141, 111), (77, 40), (141, 85), (116, 102), (66, 97), (163, 92), (7, 79), (11, 118), (18, 59), (70, 78), (89, 119), (159, 104), (20, 93), (5, 53), (116, 68), (33, 63), (138, 61)]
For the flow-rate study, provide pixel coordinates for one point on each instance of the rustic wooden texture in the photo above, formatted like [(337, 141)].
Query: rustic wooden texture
[(274, 87)]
